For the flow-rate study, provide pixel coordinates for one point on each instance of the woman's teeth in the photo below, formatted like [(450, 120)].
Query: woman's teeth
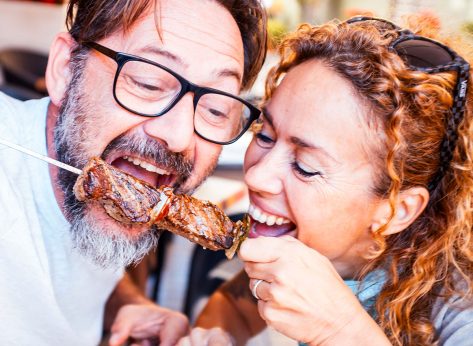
[(262, 217), (149, 167)]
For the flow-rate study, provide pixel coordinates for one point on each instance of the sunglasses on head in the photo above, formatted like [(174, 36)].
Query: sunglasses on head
[(429, 56)]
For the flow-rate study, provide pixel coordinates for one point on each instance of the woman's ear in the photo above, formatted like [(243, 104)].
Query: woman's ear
[(58, 70), (410, 204)]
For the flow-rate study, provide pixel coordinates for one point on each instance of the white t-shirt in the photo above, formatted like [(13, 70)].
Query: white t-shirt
[(49, 293)]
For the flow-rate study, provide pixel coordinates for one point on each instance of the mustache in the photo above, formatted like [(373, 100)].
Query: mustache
[(153, 151)]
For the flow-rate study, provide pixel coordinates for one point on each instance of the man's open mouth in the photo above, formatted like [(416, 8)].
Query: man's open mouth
[(268, 225), (145, 170)]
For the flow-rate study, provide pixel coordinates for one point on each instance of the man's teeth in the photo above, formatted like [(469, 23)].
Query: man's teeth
[(149, 167), (262, 217)]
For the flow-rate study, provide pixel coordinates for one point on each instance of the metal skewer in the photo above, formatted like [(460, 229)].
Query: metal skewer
[(41, 157)]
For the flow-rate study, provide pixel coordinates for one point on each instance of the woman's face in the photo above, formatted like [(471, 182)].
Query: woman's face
[(309, 169)]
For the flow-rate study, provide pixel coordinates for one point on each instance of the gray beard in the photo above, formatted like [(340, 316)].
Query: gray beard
[(110, 246), (114, 250)]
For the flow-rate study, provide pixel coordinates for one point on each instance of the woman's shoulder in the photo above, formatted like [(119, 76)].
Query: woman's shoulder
[(453, 318)]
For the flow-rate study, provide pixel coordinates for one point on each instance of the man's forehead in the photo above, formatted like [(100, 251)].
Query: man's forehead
[(186, 33), (161, 51)]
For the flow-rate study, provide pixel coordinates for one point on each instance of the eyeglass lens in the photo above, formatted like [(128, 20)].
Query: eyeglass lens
[(416, 52), (421, 53), (148, 89)]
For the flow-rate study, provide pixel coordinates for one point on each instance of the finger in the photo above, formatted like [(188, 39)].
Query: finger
[(195, 338), (120, 333), (186, 341), (274, 316), (199, 336), (150, 342), (221, 338), (262, 307), (264, 271), (260, 289), (262, 249), (173, 329)]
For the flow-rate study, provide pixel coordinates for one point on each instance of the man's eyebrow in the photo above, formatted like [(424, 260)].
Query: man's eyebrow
[(228, 73), (159, 51), (150, 49), (302, 143)]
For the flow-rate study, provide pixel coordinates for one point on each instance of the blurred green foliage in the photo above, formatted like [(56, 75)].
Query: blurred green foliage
[(468, 27), (276, 32)]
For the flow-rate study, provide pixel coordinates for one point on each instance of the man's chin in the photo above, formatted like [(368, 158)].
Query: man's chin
[(113, 228), (109, 243)]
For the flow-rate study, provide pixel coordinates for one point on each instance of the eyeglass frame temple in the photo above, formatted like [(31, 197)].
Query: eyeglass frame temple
[(450, 139), (359, 19)]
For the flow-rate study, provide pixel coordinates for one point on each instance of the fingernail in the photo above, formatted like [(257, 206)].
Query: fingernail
[(113, 339)]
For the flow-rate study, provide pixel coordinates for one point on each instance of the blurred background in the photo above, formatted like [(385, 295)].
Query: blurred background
[(178, 274), (28, 27)]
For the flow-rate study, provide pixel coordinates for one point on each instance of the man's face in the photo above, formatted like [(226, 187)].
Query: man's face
[(200, 41)]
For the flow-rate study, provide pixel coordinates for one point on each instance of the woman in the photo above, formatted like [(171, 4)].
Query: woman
[(361, 186)]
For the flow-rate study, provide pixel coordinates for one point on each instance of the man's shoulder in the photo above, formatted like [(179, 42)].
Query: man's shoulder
[(9, 104), (16, 112), (10, 110), (16, 127)]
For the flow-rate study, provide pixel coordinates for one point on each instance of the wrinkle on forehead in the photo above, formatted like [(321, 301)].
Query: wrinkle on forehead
[(230, 53), (228, 50), (219, 33), (202, 33)]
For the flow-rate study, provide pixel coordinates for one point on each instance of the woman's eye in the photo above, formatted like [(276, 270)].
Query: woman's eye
[(263, 141), (304, 170)]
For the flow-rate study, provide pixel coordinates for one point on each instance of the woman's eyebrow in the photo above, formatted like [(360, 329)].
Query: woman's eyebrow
[(302, 143), (267, 115), (297, 141)]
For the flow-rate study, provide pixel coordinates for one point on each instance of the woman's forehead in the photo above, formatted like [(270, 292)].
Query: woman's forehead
[(315, 102), (312, 92)]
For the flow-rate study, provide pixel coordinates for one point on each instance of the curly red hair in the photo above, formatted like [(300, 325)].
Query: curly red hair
[(426, 261)]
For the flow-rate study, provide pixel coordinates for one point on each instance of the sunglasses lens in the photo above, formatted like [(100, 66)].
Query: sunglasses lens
[(420, 53)]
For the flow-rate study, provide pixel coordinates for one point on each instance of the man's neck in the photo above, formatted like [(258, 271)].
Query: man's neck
[(51, 120)]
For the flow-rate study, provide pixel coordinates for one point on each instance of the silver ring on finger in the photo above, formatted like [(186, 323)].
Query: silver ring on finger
[(255, 287)]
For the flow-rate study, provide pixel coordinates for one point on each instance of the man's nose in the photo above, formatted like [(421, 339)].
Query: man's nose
[(267, 173), (175, 129)]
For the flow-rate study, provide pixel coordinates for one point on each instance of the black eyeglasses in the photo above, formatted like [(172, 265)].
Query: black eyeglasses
[(149, 89), (427, 55)]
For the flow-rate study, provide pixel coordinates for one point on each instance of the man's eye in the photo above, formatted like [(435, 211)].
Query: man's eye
[(304, 171), (146, 86), (217, 113)]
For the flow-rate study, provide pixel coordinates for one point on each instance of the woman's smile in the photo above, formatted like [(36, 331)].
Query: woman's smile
[(267, 224)]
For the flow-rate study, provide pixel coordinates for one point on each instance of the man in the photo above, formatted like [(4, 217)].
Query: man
[(148, 111)]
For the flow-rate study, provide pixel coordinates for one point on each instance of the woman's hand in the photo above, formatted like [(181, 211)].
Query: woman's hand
[(302, 295), (208, 337)]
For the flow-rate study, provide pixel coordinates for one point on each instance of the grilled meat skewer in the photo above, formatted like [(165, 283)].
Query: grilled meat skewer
[(133, 201)]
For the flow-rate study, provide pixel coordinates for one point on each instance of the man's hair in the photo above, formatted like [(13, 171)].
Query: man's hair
[(407, 113), (93, 20)]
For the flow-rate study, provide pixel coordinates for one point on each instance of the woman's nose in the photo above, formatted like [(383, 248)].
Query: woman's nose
[(265, 173)]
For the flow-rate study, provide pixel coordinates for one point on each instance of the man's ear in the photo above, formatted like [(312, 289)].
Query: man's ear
[(58, 73), (410, 204)]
